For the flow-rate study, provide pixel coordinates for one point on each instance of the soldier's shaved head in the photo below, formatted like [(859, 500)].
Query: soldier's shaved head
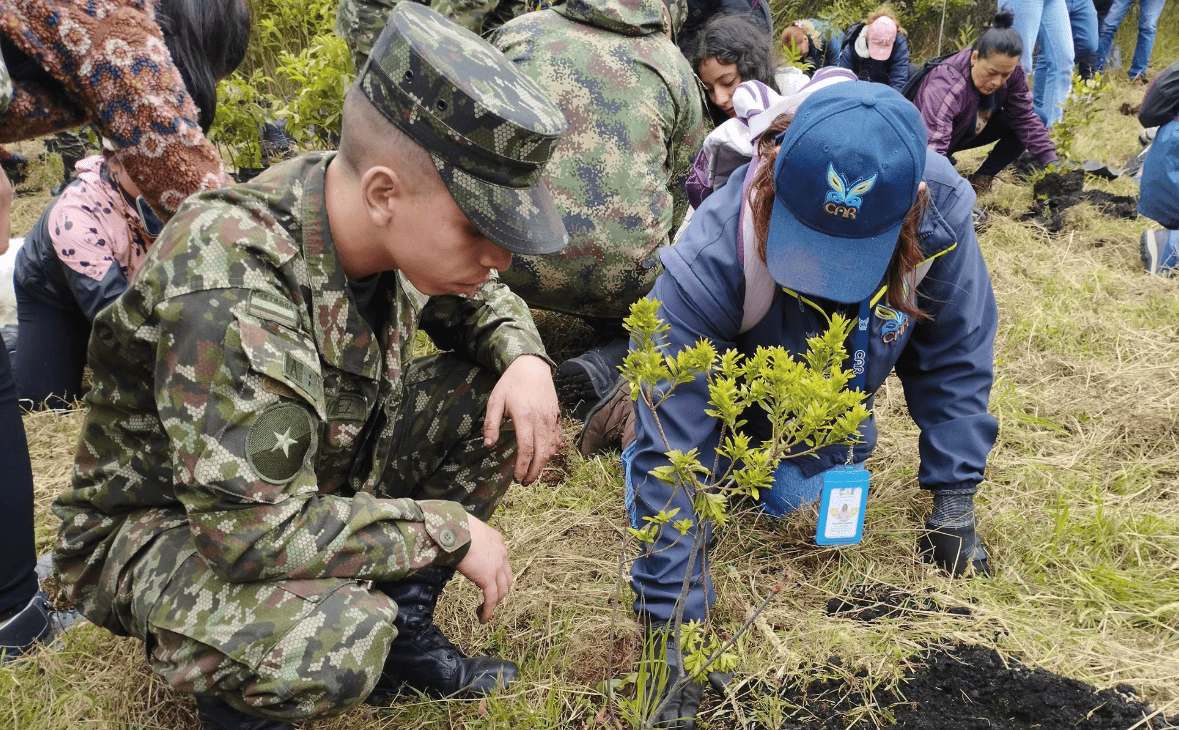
[(368, 139)]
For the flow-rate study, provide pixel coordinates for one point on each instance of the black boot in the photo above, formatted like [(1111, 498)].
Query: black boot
[(422, 657), (954, 549), (215, 714), (584, 380)]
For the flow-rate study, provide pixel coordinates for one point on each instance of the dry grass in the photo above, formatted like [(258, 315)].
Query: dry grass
[(1080, 510)]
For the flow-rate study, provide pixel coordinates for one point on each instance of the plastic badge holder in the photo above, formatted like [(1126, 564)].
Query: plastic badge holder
[(841, 507)]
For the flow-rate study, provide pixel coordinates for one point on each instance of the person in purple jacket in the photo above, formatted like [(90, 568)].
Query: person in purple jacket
[(979, 96)]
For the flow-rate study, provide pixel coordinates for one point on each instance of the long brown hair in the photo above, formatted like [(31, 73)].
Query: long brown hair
[(901, 294)]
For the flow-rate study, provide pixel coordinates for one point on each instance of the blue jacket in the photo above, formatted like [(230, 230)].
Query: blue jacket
[(945, 363), (1159, 197)]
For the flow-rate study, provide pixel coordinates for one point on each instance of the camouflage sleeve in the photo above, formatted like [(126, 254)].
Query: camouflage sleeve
[(5, 86), (686, 139), (493, 328), (242, 403)]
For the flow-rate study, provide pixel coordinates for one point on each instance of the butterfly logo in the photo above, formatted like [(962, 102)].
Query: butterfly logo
[(844, 199)]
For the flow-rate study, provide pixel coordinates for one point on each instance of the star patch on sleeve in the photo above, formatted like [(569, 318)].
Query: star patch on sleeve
[(279, 441)]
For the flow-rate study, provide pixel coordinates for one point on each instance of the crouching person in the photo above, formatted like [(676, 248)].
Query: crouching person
[(905, 264), (270, 491)]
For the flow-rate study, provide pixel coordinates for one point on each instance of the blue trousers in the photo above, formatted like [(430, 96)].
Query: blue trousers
[(657, 575), (1048, 22), (1148, 20), (1159, 198), (18, 578), (51, 352)]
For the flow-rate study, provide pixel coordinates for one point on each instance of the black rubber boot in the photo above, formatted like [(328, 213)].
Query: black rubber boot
[(422, 657), (215, 714), (954, 549), (584, 380)]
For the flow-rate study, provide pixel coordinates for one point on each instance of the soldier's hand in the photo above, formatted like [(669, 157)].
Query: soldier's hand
[(486, 565), (525, 394)]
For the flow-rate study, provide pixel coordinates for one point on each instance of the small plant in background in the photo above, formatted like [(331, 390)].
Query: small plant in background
[(322, 73), (1079, 112), (242, 109), (809, 407), (792, 57), (296, 69)]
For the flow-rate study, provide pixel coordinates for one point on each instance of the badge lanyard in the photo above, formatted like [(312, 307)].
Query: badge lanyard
[(844, 497)]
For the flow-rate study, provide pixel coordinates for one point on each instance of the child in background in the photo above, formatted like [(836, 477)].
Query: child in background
[(729, 50), (79, 256), (877, 49), (815, 41)]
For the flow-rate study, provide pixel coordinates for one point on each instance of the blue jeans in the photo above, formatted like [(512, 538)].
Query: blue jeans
[(1082, 18), (656, 576), (1047, 21), (51, 351), (1148, 19), (18, 578)]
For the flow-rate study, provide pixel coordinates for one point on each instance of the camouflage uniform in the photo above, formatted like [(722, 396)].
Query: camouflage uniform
[(635, 119), (359, 22), (5, 86), (260, 441)]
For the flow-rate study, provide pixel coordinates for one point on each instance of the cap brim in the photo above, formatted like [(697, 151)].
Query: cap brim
[(829, 267), (521, 220), (877, 53)]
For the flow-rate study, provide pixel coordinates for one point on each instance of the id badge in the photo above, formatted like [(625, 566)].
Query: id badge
[(842, 505)]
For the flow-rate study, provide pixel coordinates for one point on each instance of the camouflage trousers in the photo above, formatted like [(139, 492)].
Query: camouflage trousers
[(294, 649)]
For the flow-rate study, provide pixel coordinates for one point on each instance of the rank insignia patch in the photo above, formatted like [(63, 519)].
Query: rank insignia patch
[(279, 442)]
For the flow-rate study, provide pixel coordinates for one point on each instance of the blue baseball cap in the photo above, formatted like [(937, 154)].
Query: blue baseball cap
[(845, 177)]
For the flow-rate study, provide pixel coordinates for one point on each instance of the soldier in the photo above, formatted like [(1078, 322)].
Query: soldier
[(270, 491), (361, 21), (635, 118)]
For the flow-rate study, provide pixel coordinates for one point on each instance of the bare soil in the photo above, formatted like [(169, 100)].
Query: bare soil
[(972, 688), (1057, 191)]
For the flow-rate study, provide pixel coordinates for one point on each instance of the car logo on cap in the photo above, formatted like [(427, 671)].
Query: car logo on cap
[(843, 199)]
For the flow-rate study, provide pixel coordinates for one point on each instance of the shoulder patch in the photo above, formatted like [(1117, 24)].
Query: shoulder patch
[(279, 441), (265, 305)]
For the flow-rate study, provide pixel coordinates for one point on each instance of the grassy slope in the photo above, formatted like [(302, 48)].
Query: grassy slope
[(1081, 512)]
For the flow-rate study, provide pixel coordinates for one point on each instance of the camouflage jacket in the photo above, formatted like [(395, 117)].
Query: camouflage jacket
[(238, 389), (635, 117), (359, 22)]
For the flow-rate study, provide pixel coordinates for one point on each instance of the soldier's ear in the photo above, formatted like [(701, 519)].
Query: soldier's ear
[(383, 194)]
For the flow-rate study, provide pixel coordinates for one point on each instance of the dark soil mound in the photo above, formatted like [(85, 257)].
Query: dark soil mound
[(1058, 191), (871, 601), (968, 688)]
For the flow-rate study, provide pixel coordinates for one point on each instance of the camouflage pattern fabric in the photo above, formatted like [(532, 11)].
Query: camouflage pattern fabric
[(635, 118), (253, 449), (489, 128), (359, 22), (5, 86)]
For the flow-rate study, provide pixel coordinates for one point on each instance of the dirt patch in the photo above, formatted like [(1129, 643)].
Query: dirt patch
[(1058, 191), (1129, 110), (965, 688), (869, 602)]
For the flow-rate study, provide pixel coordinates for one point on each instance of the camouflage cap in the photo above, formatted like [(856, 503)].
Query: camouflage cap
[(489, 128)]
